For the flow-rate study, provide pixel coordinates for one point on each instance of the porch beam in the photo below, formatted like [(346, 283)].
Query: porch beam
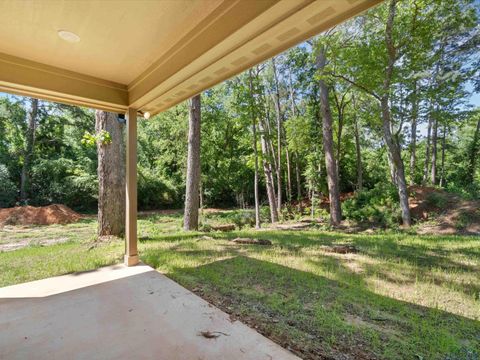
[(29, 78), (131, 253)]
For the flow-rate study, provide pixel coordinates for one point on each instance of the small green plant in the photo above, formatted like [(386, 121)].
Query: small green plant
[(321, 214), (103, 137), (463, 220), (436, 199), (243, 218), (205, 227)]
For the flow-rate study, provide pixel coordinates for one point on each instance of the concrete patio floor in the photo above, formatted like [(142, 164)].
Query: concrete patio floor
[(120, 312)]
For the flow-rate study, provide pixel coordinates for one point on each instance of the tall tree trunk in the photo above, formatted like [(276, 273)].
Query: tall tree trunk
[(279, 136), (298, 176), (427, 150), (190, 220), (270, 150), (111, 175), (294, 113), (473, 153), (29, 149), (331, 164), (339, 140), (393, 170), (433, 173), (292, 95), (413, 134), (289, 176), (255, 151), (200, 195), (444, 139), (358, 151), (267, 170), (392, 145)]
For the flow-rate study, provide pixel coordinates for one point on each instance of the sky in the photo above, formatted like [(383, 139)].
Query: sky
[(474, 98)]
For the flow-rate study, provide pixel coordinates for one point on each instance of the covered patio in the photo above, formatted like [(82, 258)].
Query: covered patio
[(137, 58), (121, 312)]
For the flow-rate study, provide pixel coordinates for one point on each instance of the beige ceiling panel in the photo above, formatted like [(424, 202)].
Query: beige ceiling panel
[(25, 77), (183, 60), (148, 54), (284, 25), (118, 39)]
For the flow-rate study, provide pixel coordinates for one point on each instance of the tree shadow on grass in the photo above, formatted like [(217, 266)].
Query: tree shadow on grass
[(386, 247), (319, 317), (395, 260)]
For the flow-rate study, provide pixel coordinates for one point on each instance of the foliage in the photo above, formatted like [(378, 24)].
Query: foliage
[(103, 137), (436, 199), (435, 73), (8, 190), (378, 206), (153, 189), (64, 181)]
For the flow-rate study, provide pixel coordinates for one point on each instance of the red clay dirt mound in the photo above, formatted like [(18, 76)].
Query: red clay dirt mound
[(425, 200), (441, 212), (43, 215)]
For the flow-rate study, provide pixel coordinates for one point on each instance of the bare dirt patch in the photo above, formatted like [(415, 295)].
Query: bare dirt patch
[(43, 215), (440, 212), (27, 242)]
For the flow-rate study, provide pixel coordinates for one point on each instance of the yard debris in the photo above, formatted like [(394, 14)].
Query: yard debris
[(312, 221), (341, 249), (226, 227), (211, 334), (250, 241), (292, 226), (42, 215)]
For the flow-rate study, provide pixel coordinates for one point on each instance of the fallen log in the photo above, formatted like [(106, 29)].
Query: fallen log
[(226, 227), (249, 241), (341, 249)]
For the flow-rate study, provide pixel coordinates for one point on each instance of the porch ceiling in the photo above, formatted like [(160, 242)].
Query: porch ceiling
[(149, 55)]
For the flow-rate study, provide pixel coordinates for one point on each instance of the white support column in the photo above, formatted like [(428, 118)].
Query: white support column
[(131, 254)]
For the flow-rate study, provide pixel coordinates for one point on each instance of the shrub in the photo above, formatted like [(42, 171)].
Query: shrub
[(466, 191), (379, 205), (243, 218), (64, 181), (265, 214), (240, 218), (155, 192), (8, 190), (436, 199)]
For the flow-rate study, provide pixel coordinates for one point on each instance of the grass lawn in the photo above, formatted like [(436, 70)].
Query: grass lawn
[(401, 296)]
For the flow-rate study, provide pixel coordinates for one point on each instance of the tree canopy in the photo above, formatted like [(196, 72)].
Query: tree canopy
[(433, 51)]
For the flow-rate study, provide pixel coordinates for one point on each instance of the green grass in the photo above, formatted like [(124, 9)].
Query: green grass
[(402, 296)]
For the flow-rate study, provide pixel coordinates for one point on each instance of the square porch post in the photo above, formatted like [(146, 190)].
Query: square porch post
[(131, 254)]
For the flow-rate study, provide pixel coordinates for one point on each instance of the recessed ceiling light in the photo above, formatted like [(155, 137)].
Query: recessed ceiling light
[(68, 36)]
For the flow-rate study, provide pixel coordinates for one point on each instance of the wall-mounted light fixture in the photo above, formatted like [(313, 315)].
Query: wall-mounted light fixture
[(122, 119)]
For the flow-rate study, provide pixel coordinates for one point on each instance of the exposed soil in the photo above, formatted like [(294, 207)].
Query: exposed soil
[(435, 212), (43, 215), (440, 212), (27, 242)]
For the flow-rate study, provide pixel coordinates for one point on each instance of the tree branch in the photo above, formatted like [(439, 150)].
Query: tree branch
[(360, 86)]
